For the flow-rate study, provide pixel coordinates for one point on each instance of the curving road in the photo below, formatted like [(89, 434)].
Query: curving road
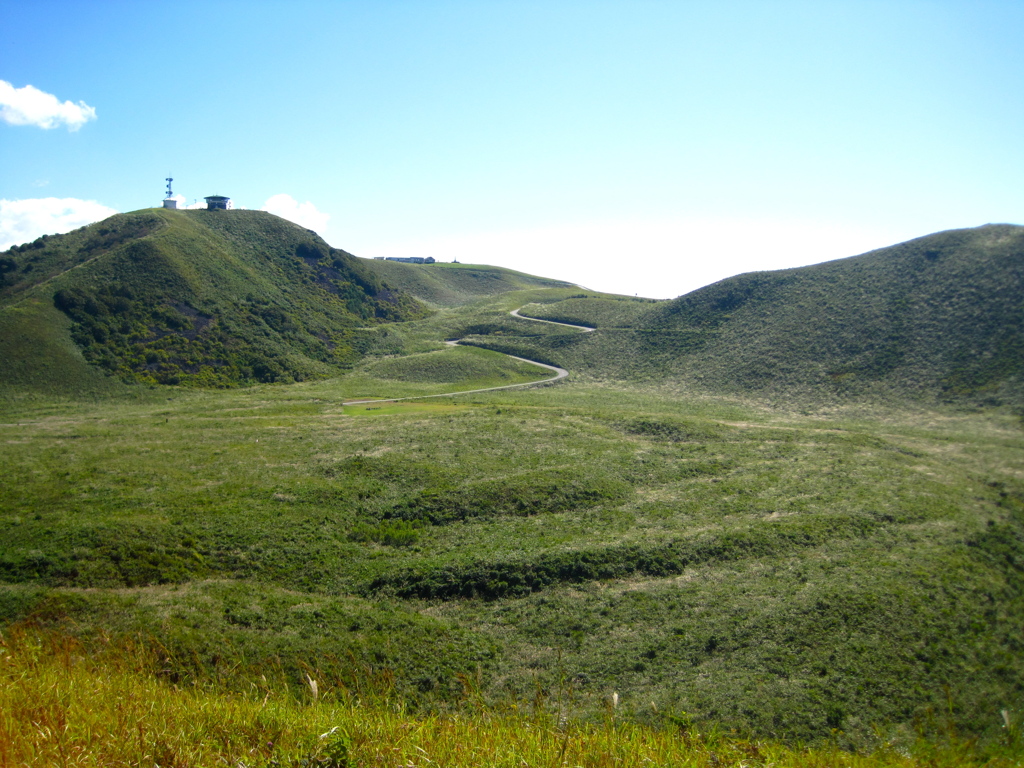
[(560, 373), (584, 328)]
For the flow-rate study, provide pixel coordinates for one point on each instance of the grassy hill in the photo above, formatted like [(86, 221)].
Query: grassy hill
[(453, 285), (939, 317), (663, 530), (201, 298)]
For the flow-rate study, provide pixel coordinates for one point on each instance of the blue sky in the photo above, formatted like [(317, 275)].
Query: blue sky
[(634, 147)]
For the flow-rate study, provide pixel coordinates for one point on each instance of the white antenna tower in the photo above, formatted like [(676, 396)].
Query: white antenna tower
[(169, 202)]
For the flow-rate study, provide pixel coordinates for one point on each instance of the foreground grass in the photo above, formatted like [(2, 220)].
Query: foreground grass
[(784, 574), (799, 576), (60, 705)]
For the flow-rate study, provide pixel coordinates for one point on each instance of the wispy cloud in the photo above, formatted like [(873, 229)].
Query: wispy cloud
[(183, 202), (22, 221), (304, 214), (30, 106), (195, 205)]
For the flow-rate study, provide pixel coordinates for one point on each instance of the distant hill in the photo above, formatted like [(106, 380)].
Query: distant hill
[(454, 285), (940, 316), (207, 298), (214, 298)]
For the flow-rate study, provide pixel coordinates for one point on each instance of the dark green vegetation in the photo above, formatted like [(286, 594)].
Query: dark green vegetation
[(848, 566)]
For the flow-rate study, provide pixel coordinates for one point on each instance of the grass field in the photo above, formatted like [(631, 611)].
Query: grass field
[(790, 575), (736, 567)]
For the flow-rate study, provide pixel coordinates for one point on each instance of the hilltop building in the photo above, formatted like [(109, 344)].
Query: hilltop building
[(217, 203), (406, 259), (213, 202)]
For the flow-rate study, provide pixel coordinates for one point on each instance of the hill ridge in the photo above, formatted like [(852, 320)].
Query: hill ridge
[(934, 317)]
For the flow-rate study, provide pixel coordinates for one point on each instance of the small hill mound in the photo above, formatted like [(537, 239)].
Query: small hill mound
[(205, 298), (463, 366)]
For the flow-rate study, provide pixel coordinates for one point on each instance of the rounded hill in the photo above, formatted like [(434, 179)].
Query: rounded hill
[(938, 317), (209, 298)]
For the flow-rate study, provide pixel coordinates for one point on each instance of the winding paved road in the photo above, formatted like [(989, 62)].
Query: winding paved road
[(560, 373), (584, 328)]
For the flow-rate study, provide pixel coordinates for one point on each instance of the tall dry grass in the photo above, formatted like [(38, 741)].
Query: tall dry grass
[(62, 704)]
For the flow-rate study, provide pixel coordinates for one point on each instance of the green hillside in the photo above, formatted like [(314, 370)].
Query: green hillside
[(453, 285), (201, 298), (940, 317), (738, 513)]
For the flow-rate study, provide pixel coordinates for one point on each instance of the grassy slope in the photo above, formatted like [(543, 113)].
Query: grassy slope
[(463, 367), (939, 316), (451, 285), (61, 705), (35, 343), (192, 297), (35, 326)]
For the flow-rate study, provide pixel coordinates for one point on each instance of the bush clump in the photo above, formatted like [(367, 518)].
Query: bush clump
[(522, 496)]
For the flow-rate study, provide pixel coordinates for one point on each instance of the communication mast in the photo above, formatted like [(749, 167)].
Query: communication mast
[(170, 202)]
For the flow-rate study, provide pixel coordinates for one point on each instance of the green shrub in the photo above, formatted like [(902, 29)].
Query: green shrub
[(532, 493)]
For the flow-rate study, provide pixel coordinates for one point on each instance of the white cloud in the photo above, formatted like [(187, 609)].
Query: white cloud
[(180, 199), (22, 221), (303, 214), (30, 106)]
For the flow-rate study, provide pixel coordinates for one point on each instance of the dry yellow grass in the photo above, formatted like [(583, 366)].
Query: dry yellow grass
[(64, 705)]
